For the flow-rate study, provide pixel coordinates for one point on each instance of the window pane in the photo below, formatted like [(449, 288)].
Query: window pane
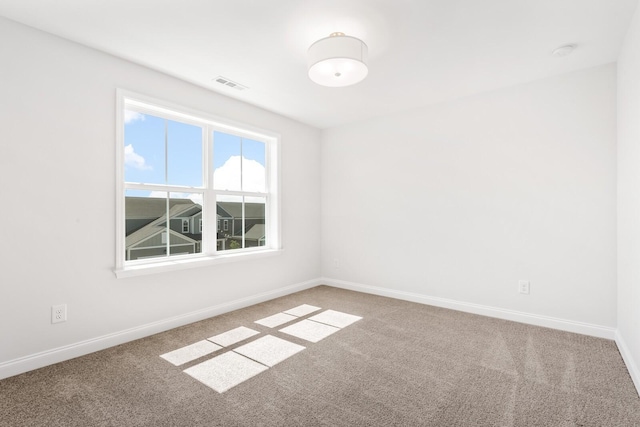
[(185, 213), (226, 162), (144, 153), (149, 140), (242, 222), (184, 148), (229, 212), (147, 234), (253, 166), (254, 221), (145, 224)]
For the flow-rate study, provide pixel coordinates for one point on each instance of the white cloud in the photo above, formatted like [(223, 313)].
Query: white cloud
[(227, 176), (132, 116), (133, 159)]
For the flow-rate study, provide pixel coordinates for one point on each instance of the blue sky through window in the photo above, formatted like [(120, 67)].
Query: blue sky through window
[(145, 155)]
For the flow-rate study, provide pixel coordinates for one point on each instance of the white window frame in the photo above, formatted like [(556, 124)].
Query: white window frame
[(209, 255), (185, 222)]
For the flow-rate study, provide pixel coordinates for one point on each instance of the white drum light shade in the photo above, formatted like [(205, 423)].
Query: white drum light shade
[(338, 60)]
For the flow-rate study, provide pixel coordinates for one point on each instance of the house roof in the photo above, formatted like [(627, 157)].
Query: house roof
[(256, 232), (221, 213), (251, 210), (151, 207), (157, 226)]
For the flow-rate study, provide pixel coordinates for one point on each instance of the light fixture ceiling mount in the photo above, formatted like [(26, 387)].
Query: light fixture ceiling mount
[(564, 50), (338, 60)]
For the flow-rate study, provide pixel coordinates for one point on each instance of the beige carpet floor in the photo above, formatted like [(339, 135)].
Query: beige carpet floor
[(402, 364)]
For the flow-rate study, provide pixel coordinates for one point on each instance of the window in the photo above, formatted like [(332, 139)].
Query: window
[(177, 167)]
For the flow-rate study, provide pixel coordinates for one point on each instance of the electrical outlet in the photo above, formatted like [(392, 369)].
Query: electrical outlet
[(336, 263), (58, 313), (523, 287)]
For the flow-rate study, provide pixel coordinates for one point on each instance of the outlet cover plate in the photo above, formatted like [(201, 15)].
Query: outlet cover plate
[(58, 313), (523, 287)]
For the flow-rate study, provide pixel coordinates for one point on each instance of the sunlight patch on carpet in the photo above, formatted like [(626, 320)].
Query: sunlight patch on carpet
[(309, 330), (225, 371), (335, 318), (248, 360), (190, 352), (302, 310), (233, 336), (269, 350), (276, 320)]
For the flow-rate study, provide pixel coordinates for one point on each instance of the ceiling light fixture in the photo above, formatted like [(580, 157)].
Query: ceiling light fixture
[(338, 60), (565, 50)]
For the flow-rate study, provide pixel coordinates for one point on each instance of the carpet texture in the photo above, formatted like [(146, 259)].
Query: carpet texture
[(402, 364)]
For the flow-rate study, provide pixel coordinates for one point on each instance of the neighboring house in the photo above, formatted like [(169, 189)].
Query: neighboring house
[(230, 220), (226, 223), (146, 226), (140, 211)]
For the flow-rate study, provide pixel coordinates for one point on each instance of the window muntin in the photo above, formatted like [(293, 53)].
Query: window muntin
[(182, 162)]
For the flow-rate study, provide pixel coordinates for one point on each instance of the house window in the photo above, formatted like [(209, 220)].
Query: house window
[(175, 163)]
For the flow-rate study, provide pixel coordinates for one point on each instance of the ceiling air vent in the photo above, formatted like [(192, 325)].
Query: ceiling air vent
[(225, 81)]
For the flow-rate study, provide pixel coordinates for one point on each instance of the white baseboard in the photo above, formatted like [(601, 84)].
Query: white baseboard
[(49, 357), (500, 313), (632, 367)]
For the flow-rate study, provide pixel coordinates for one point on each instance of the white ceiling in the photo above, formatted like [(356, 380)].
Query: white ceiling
[(421, 52)]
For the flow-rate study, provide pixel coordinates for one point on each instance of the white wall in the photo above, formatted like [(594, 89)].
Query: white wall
[(629, 199), (57, 168), (461, 200)]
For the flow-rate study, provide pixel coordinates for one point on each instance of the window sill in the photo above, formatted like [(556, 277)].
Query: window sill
[(183, 264)]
